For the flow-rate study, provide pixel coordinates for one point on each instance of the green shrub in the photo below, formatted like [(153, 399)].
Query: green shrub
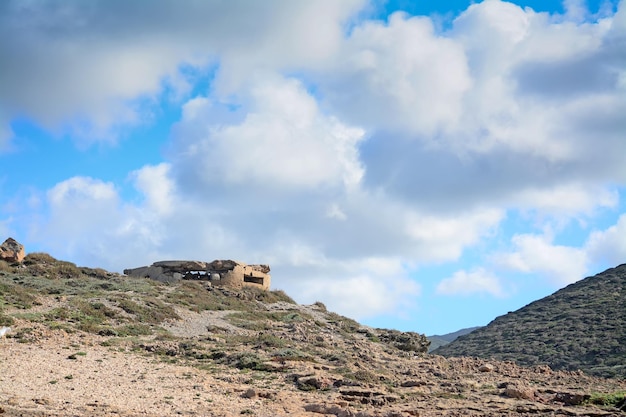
[(152, 311), (133, 330), (320, 306), (5, 267), (615, 399), (6, 320), (16, 296), (247, 360), (38, 258)]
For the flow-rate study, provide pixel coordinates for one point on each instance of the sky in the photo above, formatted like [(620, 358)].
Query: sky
[(419, 165)]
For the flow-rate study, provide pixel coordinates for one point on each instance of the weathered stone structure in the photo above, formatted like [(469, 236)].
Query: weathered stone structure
[(12, 251), (220, 272)]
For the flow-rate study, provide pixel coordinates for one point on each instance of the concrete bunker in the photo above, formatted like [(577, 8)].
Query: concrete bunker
[(229, 273)]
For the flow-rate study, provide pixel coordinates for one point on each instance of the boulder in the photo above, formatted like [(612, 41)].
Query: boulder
[(520, 392), (487, 367), (12, 251)]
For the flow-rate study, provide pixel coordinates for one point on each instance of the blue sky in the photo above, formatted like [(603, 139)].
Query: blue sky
[(425, 166)]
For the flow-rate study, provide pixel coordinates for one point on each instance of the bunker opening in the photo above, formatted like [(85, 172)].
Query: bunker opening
[(253, 280)]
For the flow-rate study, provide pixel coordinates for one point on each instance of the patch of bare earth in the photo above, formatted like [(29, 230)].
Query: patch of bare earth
[(67, 374)]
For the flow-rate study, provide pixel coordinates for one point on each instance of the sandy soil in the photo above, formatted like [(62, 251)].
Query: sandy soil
[(61, 374)]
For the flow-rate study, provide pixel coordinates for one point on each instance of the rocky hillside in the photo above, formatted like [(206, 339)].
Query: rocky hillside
[(582, 326), (88, 342)]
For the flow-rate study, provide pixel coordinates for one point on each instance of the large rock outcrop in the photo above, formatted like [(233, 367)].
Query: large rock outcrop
[(220, 272), (12, 251)]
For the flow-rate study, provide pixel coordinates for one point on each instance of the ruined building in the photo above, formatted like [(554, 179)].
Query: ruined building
[(220, 272)]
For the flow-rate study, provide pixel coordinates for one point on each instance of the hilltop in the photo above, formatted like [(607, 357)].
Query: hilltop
[(86, 341), (582, 326)]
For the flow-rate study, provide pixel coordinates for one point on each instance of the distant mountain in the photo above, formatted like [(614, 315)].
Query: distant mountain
[(582, 326), (439, 340)]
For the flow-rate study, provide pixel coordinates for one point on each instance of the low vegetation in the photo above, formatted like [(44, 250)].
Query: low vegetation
[(581, 326), (249, 335)]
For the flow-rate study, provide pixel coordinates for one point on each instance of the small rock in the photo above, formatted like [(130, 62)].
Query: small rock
[(327, 409), (250, 393), (487, 367), (571, 399), (408, 384), (41, 401), (314, 382)]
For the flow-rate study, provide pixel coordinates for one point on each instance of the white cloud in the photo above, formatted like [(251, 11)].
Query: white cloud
[(609, 245), (445, 237), (82, 210), (473, 282), (575, 10), (156, 185), (87, 68), (283, 141), (360, 289), (398, 76), (345, 159), (536, 254), (82, 192), (568, 200)]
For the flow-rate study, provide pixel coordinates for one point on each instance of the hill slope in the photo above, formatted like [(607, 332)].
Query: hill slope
[(439, 340), (582, 326), (88, 342)]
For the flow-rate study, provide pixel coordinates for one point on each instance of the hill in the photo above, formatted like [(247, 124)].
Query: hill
[(582, 326), (88, 342), (439, 340)]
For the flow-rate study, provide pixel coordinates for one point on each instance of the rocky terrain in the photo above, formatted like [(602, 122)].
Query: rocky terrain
[(88, 342), (582, 326)]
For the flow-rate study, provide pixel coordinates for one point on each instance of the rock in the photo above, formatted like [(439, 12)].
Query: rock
[(250, 393), (487, 367), (314, 382), (328, 409), (519, 392), (412, 383), (12, 251), (367, 397), (406, 341), (571, 399)]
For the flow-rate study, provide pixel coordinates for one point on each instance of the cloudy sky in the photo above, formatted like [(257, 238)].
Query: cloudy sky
[(424, 166)]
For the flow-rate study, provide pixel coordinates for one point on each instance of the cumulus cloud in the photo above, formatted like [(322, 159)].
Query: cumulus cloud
[(526, 124), (569, 200), (156, 185), (361, 289), (473, 282), (609, 246), (537, 254), (345, 157), (283, 141), (123, 54), (398, 76)]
